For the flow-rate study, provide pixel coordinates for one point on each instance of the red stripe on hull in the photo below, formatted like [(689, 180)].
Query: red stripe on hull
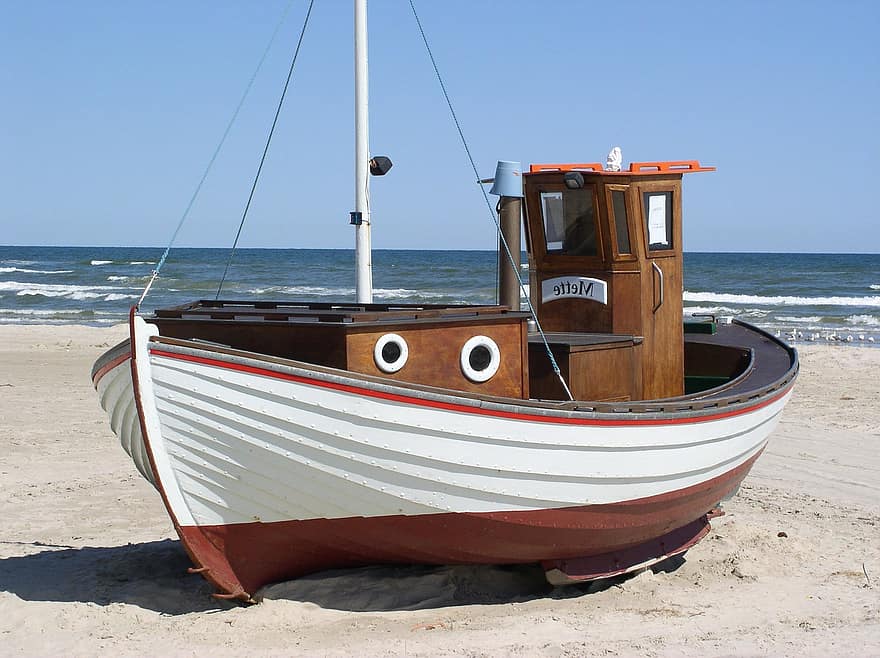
[(256, 554)]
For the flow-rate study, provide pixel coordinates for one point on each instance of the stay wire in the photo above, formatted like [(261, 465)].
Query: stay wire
[(266, 148), (513, 263), (210, 165)]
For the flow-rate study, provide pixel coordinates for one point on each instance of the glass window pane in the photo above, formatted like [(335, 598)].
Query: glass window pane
[(554, 221), (570, 222), (618, 203), (658, 218)]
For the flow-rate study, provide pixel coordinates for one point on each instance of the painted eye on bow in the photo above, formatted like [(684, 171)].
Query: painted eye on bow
[(390, 353), (480, 358)]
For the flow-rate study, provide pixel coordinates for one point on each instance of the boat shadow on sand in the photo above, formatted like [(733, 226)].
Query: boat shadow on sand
[(150, 575), (153, 575)]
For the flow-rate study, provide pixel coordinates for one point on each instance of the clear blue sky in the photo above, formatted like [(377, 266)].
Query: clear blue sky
[(111, 110)]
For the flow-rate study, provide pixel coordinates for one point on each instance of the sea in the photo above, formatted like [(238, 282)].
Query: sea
[(801, 297)]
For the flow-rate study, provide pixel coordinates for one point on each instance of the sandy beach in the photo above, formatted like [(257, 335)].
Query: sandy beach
[(90, 564)]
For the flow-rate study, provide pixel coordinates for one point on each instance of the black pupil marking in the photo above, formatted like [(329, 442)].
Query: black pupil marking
[(391, 352), (480, 358)]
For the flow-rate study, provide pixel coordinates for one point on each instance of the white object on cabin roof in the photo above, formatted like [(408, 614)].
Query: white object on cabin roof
[(614, 160)]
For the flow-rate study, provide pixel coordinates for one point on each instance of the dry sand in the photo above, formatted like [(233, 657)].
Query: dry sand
[(89, 563)]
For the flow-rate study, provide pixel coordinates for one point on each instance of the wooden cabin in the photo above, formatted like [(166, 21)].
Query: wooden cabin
[(605, 258), (605, 261), (475, 349)]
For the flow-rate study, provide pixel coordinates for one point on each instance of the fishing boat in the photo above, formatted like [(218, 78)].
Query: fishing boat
[(594, 433)]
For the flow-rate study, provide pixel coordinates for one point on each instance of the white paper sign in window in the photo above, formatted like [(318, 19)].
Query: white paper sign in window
[(658, 220)]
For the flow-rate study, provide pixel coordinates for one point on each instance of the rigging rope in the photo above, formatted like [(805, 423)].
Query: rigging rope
[(513, 264), (266, 148), (198, 189)]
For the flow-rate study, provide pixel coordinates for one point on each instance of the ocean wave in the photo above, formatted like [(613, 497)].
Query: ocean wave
[(7, 270), (142, 262), (781, 300), (317, 291), (863, 320), (401, 293), (101, 262), (59, 316), (74, 292), (808, 319), (874, 286), (16, 261), (709, 310), (321, 291), (751, 313), (30, 311)]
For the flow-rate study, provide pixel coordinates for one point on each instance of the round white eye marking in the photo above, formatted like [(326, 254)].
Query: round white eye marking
[(480, 358), (390, 353)]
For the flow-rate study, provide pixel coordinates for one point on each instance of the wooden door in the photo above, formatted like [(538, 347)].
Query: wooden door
[(663, 355)]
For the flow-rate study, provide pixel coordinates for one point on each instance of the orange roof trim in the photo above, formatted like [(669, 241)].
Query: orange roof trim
[(591, 166), (670, 167)]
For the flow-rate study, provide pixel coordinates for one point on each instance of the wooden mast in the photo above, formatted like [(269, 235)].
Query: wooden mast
[(361, 218)]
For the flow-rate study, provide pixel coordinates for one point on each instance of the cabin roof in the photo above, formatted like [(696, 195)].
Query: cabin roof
[(296, 311), (635, 168)]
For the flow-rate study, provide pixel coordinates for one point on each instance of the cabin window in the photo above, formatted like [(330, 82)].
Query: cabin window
[(570, 222), (618, 207), (658, 220)]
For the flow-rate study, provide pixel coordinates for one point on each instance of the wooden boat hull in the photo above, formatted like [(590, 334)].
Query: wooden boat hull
[(271, 470), (260, 553)]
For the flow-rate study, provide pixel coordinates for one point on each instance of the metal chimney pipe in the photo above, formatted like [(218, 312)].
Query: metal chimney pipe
[(508, 186), (509, 214)]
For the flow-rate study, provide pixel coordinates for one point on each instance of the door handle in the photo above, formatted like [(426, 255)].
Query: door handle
[(660, 275)]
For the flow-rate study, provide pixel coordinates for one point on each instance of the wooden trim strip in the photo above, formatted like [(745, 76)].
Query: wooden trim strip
[(107, 367)]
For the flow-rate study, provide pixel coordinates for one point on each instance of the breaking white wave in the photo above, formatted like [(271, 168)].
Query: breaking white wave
[(7, 270), (78, 293), (142, 262), (27, 311), (320, 291), (807, 319), (56, 316), (101, 262), (724, 298), (748, 313), (304, 290), (863, 320), (399, 293), (709, 310), (117, 278), (874, 286)]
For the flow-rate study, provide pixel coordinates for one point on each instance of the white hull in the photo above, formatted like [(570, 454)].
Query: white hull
[(247, 446), (239, 442)]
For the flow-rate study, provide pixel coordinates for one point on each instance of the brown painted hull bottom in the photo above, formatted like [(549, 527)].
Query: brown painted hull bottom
[(580, 569), (239, 559)]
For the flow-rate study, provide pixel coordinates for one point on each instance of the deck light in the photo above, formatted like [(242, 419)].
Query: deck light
[(574, 180), (380, 165)]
